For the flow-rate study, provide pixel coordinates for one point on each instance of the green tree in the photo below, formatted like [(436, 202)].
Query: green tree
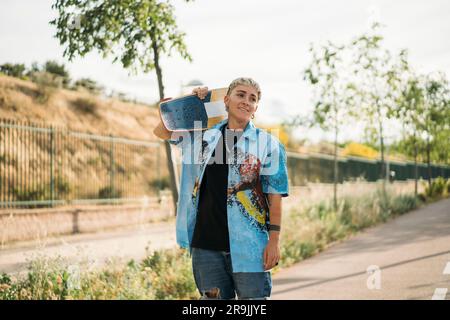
[(379, 74), (34, 68), (59, 70), (332, 94), (441, 150), (13, 70), (435, 115), (409, 107), (135, 32), (423, 109)]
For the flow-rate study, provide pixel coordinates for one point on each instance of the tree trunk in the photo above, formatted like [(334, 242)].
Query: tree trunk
[(382, 169), (429, 162), (415, 165), (335, 168), (174, 181)]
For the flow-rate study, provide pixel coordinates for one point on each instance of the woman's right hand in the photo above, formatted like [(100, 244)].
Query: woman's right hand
[(200, 92)]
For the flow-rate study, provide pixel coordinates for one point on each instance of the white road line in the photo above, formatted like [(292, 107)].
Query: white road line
[(439, 294), (447, 268)]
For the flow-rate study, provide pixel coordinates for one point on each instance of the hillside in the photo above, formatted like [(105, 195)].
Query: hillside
[(81, 166), (77, 110)]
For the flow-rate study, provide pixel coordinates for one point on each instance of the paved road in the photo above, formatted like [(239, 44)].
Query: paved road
[(412, 254)]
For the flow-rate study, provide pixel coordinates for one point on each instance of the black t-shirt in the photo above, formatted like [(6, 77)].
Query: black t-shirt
[(211, 227)]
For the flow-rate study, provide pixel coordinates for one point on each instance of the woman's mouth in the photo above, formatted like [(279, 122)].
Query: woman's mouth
[(244, 110)]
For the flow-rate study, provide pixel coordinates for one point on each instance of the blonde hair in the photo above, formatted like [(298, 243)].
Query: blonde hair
[(245, 82)]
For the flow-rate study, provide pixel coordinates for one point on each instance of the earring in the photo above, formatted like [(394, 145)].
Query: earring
[(253, 116), (226, 108)]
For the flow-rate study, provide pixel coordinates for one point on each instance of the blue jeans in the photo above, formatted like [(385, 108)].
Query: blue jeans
[(215, 279)]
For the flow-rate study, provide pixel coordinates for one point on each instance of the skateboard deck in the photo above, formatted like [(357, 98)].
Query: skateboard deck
[(180, 114)]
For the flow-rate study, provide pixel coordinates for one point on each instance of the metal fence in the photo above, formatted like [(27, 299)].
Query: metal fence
[(319, 168), (42, 165)]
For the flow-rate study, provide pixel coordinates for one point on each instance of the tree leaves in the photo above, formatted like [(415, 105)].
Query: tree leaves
[(129, 30)]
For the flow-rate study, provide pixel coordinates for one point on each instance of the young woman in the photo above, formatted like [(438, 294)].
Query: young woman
[(229, 211)]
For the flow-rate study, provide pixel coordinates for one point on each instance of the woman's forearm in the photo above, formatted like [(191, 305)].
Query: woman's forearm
[(274, 214)]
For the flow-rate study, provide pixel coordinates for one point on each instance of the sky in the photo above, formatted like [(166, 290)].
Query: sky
[(265, 40)]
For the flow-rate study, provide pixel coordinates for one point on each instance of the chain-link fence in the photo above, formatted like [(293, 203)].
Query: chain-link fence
[(320, 168)]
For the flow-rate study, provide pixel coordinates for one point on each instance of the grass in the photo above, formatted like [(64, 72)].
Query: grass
[(167, 274), (162, 275), (311, 230)]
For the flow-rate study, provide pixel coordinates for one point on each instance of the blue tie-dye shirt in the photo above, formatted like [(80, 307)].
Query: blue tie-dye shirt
[(258, 168)]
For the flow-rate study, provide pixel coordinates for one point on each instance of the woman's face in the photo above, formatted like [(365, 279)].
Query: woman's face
[(242, 103)]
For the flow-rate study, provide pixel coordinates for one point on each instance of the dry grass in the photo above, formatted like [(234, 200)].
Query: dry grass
[(302, 197), (19, 100), (86, 162)]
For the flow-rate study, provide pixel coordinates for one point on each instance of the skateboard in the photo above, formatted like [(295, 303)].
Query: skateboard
[(180, 114)]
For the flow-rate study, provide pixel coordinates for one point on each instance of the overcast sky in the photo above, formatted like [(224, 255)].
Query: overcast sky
[(266, 40)]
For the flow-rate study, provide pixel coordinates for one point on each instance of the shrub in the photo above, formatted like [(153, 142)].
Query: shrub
[(165, 274), (47, 85), (359, 150), (86, 105), (109, 193), (422, 197), (58, 70), (160, 184), (13, 70), (45, 280), (437, 188), (43, 191), (62, 186), (171, 273), (89, 84), (8, 288), (404, 203), (37, 193)]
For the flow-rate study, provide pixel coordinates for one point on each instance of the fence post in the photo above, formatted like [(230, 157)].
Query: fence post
[(52, 159), (158, 166), (111, 172), (308, 170)]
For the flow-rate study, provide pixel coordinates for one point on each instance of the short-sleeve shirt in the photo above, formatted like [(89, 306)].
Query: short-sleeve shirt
[(257, 169)]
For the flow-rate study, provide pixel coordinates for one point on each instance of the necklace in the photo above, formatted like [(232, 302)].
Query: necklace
[(226, 133)]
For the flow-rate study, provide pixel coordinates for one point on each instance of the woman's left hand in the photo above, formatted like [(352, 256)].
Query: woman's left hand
[(271, 254)]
